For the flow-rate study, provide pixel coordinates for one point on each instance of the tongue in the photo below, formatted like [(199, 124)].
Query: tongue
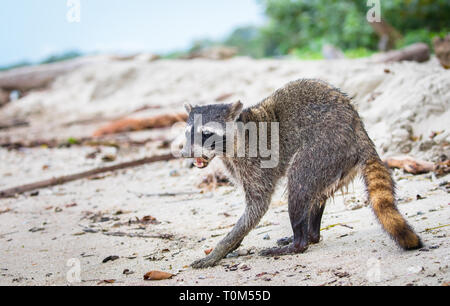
[(199, 162)]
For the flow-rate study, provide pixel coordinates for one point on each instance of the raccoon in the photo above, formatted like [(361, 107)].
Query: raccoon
[(321, 146)]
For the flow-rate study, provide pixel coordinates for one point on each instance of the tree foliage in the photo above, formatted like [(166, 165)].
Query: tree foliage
[(309, 24)]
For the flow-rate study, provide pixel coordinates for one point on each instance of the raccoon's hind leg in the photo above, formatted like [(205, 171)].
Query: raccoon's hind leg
[(315, 219), (299, 204), (314, 174)]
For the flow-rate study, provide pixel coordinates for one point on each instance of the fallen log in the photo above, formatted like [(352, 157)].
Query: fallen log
[(73, 177), (418, 52), (85, 141), (33, 77), (138, 124), (4, 97), (410, 164), (213, 53), (97, 119), (13, 124)]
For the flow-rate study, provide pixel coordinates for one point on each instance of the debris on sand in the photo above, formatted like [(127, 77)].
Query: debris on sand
[(133, 124), (214, 180), (208, 251), (106, 281), (410, 164), (157, 275), (110, 258), (4, 211)]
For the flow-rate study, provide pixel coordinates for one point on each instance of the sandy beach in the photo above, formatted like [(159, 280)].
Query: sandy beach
[(155, 217)]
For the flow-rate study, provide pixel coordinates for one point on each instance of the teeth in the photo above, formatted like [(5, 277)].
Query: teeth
[(200, 163)]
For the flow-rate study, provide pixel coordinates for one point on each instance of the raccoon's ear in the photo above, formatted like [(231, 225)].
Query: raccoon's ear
[(235, 110), (188, 107)]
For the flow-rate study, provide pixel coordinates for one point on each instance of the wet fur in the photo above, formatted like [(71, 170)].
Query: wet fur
[(323, 145)]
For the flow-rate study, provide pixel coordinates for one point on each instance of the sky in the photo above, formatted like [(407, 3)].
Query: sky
[(32, 30)]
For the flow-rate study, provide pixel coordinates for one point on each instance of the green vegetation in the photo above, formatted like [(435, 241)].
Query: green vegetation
[(302, 27), (16, 65), (61, 57)]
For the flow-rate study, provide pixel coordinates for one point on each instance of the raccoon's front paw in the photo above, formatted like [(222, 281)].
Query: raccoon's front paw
[(208, 261), (286, 250)]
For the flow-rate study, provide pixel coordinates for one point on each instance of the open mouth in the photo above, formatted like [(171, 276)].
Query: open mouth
[(201, 162)]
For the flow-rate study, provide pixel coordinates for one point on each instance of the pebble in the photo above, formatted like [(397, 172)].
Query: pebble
[(242, 252), (174, 173)]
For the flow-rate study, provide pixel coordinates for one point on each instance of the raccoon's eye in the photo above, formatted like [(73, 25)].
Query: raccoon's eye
[(207, 134)]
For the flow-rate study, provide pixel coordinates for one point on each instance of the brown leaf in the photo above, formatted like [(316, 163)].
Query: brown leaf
[(442, 168), (138, 124), (157, 275), (107, 281), (223, 97), (5, 210), (208, 251)]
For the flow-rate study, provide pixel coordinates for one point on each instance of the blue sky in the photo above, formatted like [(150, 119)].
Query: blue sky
[(33, 29)]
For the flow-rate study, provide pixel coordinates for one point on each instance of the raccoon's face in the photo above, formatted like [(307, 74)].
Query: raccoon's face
[(206, 131)]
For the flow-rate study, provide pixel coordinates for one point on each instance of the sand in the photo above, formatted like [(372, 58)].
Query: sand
[(402, 104)]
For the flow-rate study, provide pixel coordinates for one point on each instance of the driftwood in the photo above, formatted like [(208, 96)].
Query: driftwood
[(13, 124), (138, 124), (442, 50), (4, 97), (73, 177), (85, 141), (213, 53), (410, 164), (418, 52), (97, 119), (33, 77)]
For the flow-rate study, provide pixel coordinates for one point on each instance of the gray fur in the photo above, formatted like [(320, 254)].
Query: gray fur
[(322, 145)]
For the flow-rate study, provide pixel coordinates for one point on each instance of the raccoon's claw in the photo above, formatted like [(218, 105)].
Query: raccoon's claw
[(206, 262), (285, 241)]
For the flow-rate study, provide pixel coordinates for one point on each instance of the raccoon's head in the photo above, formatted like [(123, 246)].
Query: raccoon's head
[(206, 135)]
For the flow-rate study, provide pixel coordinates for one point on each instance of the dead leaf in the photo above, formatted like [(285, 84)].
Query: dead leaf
[(109, 158), (442, 168), (208, 251), (223, 97), (157, 275), (435, 133), (214, 180), (107, 281), (127, 272), (410, 165), (5, 210), (110, 258), (261, 274), (138, 124)]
